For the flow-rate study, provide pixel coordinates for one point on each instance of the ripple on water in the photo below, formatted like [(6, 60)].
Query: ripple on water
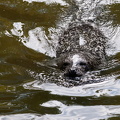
[(71, 113), (103, 84), (61, 2), (108, 87)]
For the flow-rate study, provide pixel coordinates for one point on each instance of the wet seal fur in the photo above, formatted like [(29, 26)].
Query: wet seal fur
[(75, 58)]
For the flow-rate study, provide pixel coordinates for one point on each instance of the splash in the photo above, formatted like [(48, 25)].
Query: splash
[(109, 87), (37, 38)]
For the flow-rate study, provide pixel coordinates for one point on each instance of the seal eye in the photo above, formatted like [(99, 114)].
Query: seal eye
[(82, 63), (66, 64)]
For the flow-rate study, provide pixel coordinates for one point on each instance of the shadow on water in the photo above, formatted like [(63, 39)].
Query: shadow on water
[(31, 87)]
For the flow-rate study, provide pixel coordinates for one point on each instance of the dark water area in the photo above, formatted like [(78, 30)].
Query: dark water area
[(31, 87)]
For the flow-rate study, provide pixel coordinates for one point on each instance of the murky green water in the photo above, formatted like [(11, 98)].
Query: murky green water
[(30, 84)]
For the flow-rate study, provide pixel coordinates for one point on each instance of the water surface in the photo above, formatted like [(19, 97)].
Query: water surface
[(31, 87)]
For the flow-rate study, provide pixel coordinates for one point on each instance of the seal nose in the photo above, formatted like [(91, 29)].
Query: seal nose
[(72, 73)]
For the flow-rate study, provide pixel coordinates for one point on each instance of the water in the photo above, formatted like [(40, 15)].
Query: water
[(31, 87)]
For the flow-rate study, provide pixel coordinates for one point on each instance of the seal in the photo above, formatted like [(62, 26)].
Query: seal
[(81, 48)]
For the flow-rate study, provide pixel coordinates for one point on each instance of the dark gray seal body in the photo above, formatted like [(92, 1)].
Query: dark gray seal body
[(75, 58)]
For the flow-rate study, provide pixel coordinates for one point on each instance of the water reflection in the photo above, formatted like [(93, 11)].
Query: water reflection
[(73, 113), (61, 2)]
